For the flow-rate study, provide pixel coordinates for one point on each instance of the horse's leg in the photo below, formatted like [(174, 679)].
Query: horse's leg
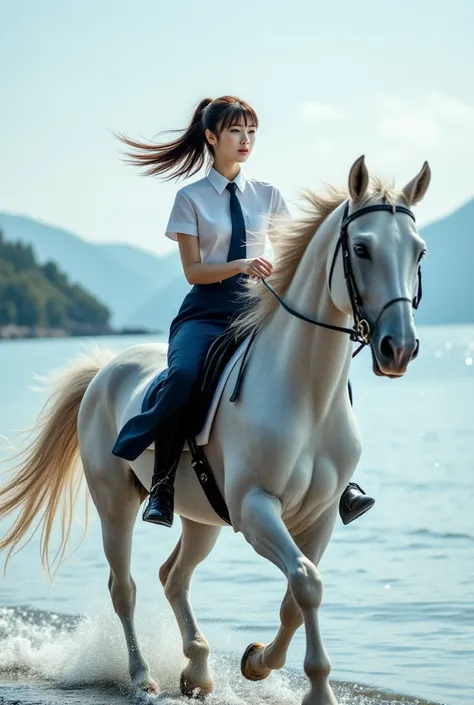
[(263, 527), (117, 497), (197, 541), (259, 660)]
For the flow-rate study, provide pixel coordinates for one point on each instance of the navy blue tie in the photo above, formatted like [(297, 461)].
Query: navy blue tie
[(237, 247)]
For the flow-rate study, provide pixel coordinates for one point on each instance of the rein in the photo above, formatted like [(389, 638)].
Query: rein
[(362, 330)]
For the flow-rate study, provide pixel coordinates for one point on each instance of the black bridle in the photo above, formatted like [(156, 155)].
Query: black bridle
[(361, 332)]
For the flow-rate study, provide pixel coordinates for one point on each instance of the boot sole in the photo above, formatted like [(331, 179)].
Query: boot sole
[(350, 517)]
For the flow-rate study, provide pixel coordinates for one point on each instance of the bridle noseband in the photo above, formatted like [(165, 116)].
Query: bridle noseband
[(362, 330)]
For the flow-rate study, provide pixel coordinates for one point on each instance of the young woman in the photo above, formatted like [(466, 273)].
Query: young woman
[(212, 220)]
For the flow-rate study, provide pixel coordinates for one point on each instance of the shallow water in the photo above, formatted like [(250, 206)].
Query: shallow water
[(398, 608), (81, 660)]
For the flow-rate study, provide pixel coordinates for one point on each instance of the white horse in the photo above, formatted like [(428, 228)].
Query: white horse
[(302, 443)]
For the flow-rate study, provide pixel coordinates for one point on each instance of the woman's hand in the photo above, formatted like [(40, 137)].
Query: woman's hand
[(256, 267)]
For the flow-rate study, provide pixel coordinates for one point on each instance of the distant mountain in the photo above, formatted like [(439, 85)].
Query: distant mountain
[(102, 270), (448, 269), (160, 309), (145, 263)]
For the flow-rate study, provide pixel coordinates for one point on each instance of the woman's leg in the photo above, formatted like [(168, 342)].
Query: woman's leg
[(186, 354)]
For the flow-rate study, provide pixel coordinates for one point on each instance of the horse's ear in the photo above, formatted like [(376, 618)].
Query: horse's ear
[(358, 180), (415, 189)]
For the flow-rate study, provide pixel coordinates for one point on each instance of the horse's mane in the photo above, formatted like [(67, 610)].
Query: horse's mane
[(290, 237)]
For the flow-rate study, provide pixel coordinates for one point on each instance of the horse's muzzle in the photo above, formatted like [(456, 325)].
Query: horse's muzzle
[(392, 354)]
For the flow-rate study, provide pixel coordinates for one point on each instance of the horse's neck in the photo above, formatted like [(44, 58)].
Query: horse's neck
[(314, 360)]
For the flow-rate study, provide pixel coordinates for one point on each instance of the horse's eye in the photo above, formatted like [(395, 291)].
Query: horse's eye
[(361, 252), (421, 255)]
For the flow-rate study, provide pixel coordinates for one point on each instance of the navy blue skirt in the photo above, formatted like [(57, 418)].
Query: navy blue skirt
[(205, 313)]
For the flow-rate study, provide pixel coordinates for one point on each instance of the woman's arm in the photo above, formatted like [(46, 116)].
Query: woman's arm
[(197, 272)]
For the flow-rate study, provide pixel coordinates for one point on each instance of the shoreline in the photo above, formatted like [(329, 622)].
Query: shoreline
[(14, 332)]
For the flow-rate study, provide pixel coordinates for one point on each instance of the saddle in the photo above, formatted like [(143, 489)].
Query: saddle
[(218, 355)]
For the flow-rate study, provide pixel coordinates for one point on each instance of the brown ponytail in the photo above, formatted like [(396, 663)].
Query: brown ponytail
[(185, 155)]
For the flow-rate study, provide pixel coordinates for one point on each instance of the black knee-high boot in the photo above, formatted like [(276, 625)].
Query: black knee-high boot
[(169, 441)]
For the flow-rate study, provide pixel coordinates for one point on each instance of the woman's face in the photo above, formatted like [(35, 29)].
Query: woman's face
[(234, 143)]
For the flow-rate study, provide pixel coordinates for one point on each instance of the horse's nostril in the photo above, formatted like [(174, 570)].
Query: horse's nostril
[(416, 350), (386, 347)]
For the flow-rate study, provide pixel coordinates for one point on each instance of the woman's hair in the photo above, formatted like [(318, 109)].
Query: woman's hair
[(185, 155)]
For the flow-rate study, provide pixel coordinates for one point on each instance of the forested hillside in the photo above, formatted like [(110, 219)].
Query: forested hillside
[(41, 296)]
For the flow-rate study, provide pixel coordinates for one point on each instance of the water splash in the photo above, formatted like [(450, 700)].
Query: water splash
[(47, 658)]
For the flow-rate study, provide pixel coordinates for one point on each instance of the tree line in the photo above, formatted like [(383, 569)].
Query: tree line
[(42, 295)]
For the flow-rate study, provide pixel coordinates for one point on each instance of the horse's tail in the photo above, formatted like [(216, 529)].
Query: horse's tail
[(48, 473)]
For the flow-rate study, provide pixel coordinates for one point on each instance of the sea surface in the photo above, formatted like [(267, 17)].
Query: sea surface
[(398, 609)]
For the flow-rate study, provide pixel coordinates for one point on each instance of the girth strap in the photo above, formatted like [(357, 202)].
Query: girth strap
[(207, 480)]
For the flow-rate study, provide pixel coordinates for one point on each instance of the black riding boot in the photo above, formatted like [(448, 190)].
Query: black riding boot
[(353, 503), (168, 447)]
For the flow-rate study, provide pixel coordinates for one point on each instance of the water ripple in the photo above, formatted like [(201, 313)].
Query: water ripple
[(438, 535)]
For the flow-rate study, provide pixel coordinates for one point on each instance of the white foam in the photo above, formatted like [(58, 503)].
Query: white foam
[(93, 651)]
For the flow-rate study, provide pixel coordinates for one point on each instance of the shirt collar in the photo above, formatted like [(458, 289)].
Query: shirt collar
[(220, 182)]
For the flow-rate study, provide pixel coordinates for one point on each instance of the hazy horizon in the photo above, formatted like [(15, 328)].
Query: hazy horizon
[(328, 83)]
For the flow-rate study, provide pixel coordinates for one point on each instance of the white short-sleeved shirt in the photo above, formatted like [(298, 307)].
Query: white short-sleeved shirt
[(202, 209)]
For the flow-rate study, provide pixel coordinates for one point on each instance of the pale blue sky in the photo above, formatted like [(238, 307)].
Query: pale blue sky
[(329, 81)]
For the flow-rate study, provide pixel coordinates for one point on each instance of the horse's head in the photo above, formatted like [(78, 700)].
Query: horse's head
[(377, 278)]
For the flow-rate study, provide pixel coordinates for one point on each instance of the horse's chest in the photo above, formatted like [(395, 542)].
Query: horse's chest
[(325, 465)]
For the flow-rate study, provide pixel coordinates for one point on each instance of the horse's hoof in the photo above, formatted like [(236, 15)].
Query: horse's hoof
[(191, 690), (254, 672), (149, 686)]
